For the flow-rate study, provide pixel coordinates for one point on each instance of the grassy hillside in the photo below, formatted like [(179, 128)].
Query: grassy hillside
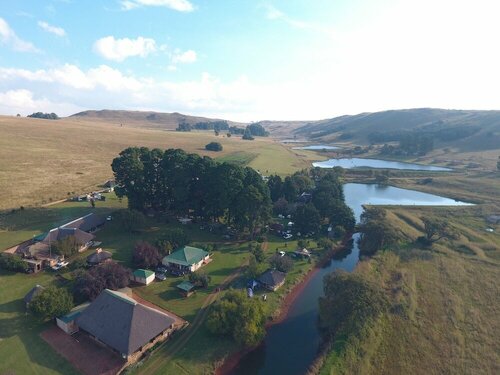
[(44, 160), (485, 126), (445, 303), (147, 119)]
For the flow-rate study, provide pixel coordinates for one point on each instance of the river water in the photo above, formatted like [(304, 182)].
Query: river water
[(291, 345)]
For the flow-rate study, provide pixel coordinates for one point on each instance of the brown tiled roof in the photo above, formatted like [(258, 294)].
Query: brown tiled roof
[(98, 257), (121, 322), (61, 233)]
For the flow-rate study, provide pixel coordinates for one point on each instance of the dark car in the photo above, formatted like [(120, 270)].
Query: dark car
[(177, 272)]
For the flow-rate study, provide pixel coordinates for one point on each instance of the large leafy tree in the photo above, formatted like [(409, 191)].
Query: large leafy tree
[(145, 255), (436, 229), (377, 233), (238, 317), (51, 302), (307, 219), (109, 275)]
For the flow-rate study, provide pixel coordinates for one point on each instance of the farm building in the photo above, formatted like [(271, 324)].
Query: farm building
[(186, 288), (272, 279), (141, 276), (126, 326), (187, 259), (98, 257)]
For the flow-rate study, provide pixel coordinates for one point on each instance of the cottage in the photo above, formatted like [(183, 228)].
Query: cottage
[(272, 279), (37, 289), (98, 257), (187, 259), (186, 288), (126, 326), (141, 276)]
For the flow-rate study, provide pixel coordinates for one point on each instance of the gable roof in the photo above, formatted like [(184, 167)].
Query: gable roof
[(272, 277), (186, 286), (186, 256), (37, 289), (61, 233), (121, 322), (86, 223), (98, 257), (143, 273)]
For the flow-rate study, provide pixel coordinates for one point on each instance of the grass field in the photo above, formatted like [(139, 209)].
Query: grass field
[(43, 160), (445, 302)]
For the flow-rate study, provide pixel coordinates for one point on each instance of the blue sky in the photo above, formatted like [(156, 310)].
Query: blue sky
[(248, 60)]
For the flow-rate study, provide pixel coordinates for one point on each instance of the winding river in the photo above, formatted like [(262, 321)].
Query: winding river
[(291, 345)]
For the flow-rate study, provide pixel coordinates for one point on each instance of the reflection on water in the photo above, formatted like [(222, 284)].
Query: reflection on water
[(375, 163), (291, 346)]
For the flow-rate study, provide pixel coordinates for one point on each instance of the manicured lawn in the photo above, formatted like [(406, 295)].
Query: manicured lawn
[(22, 351)]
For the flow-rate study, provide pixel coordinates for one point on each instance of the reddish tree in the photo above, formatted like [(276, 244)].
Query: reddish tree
[(146, 255)]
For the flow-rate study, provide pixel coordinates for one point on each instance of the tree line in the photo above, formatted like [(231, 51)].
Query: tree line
[(46, 116), (176, 182)]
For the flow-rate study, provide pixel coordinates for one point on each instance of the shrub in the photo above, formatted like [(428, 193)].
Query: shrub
[(281, 263), (110, 275), (51, 302), (145, 255), (213, 146), (13, 263)]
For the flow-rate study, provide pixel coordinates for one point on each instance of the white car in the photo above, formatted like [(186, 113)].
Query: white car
[(60, 265), (287, 236), (282, 253)]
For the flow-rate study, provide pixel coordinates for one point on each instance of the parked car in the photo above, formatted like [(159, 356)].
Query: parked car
[(177, 272), (282, 253), (287, 236), (60, 265), (161, 269), (160, 276)]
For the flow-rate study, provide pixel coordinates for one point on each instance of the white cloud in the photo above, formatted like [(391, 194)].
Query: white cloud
[(186, 57), (23, 101), (8, 37), (120, 49), (179, 5), (58, 31)]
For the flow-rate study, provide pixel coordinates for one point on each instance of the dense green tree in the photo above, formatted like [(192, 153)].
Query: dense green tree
[(275, 185), (213, 146), (377, 233), (67, 246), (247, 135), (257, 251), (281, 263), (200, 279), (51, 302), (253, 267), (257, 130), (145, 255), (307, 219), (238, 317), (12, 263)]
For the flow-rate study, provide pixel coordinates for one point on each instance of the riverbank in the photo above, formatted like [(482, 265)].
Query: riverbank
[(231, 362)]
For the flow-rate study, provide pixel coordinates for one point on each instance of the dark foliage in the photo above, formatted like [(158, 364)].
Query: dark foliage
[(46, 116), (12, 263), (200, 279), (110, 275), (146, 255), (281, 263), (51, 302), (213, 146)]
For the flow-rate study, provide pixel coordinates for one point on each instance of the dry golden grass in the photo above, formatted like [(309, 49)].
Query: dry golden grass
[(43, 160)]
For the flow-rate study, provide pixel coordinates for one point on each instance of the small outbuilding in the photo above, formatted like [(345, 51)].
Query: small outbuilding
[(272, 279), (302, 253), (142, 276), (68, 322), (37, 289), (186, 288)]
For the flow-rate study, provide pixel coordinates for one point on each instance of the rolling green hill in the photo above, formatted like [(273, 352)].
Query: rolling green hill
[(466, 130)]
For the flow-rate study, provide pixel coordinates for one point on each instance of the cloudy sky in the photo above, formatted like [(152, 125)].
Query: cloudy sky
[(248, 59)]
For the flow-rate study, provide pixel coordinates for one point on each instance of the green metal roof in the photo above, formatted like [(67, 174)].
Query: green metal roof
[(186, 286), (186, 256), (73, 314), (143, 273)]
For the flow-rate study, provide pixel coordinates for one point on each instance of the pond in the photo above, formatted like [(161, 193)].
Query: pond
[(291, 345), (317, 147), (376, 163)]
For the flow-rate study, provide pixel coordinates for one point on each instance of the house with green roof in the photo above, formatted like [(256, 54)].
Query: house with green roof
[(141, 276), (186, 288), (187, 259)]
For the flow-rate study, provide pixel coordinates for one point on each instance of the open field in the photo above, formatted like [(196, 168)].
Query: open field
[(44, 160), (445, 302)]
